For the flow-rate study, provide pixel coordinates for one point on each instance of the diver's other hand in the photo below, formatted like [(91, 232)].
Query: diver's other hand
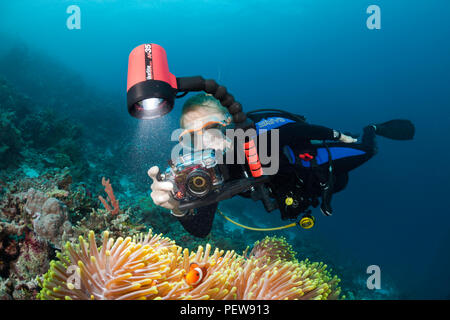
[(162, 191), (347, 139)]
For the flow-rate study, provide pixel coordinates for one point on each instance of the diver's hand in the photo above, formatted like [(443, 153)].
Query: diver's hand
[(162, 191), (347, 139)]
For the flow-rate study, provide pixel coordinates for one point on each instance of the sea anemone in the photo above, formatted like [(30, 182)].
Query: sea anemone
[(154, 267), (121, 269), (273, 248), (271, 272)]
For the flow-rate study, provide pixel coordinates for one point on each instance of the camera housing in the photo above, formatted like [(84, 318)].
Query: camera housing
[(194, 175)]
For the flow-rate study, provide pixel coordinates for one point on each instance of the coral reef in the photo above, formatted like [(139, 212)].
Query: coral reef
[(49, 217), (11, 141), (22, 257), (9, 246), (100, 220), (34, 223), (153, 267), (34, 134), (111, 204)]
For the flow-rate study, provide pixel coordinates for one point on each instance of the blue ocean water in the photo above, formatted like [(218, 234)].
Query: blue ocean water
[(315, 58)]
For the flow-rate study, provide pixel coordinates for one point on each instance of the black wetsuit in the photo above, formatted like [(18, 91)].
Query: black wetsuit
[(302, 179), (304, 170)]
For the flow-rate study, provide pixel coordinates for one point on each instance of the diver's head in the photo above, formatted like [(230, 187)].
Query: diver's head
[(204, 120)]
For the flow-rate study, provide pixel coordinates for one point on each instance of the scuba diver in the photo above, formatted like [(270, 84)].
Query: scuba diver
[(314, 161)]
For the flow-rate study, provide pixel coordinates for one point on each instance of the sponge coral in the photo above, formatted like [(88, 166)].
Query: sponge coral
[(154, 267)]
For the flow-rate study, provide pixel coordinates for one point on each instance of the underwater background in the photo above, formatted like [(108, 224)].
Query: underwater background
[(64, 124)]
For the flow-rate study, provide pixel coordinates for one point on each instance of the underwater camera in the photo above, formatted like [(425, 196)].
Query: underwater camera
[(194, 176)]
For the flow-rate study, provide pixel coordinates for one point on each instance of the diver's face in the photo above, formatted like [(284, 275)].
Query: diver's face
[(204, 129)]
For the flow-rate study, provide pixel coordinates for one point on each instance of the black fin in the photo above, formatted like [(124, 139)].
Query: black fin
[(397, 129)]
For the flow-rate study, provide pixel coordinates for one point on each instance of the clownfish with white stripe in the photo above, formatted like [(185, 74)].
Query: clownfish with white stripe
[(195, 274)]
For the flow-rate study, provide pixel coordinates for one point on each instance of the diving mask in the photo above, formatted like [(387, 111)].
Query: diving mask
[(208, 134)]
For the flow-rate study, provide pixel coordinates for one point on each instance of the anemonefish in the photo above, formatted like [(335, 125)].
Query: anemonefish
[(195, 275)]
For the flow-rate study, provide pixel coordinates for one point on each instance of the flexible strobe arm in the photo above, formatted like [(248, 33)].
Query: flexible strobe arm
[(198, 83)]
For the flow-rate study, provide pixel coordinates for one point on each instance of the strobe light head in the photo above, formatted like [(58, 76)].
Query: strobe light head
[(151, 88)]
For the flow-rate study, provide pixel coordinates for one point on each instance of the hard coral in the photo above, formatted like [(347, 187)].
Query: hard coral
[(50, 217), (33, 258), (153, 267)]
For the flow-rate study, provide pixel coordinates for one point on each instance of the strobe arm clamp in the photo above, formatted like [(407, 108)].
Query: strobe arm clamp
[(198, 83)]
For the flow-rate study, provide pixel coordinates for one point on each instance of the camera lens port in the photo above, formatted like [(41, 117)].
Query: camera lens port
[(198, 183)]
